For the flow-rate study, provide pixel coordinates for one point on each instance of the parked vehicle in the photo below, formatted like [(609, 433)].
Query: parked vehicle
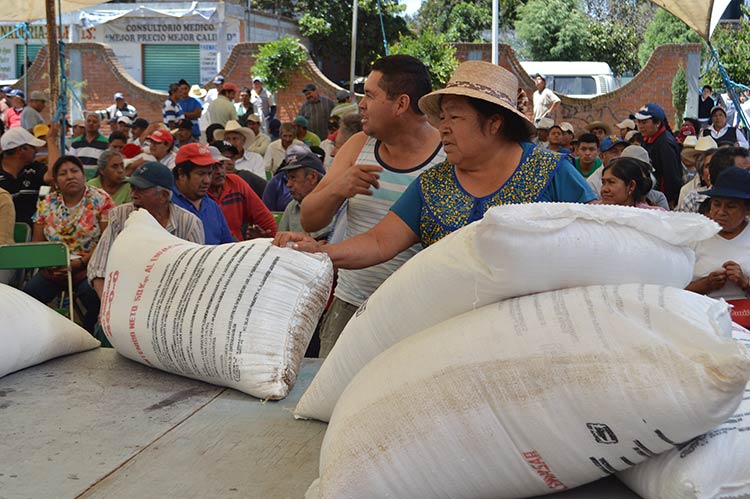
[(575, 78)]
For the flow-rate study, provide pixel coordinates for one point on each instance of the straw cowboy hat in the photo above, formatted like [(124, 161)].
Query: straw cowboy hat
[(704, 143), (234, 126), (599, 124), (481, 80), (197, 92)]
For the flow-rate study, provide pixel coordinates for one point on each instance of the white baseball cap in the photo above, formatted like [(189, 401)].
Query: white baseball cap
[(17, 137)]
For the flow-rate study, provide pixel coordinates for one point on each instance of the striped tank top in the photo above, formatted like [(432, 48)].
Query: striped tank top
[(363, 212)]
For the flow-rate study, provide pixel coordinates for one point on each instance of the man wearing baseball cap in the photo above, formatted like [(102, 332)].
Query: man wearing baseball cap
[(611, 147), (345, 105), (264, 103), (662, 149), (151, 190), (316, 110), (303, 134), (32, 114), (192, 175), (118, 109), (161, 144), (20, 175), (545, 100), (222, 109), (303, 173)]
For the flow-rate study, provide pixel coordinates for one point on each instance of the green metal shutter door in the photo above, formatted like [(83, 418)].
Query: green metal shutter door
[(165, 64), (33, 50)]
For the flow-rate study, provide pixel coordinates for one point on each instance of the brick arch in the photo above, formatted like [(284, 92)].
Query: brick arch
[(652, 84)]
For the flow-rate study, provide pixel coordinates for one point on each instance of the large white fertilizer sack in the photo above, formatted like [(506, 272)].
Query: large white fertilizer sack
[(715, 465), (514, 251), (33, 333), (534, 395), (239, 315)]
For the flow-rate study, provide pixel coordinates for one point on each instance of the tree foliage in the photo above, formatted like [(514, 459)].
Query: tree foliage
[(664, 28), (679, 94), (276, 61), (614, 43), (732, 44), (434, 51), (553, 30), (464, 20)]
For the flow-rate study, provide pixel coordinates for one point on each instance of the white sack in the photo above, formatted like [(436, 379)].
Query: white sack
[(238, 315), (534, 395), (514, 251), (715, 465), (32, 333)]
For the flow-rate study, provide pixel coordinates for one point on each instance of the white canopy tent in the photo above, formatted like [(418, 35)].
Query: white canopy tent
[(35, 10), (700, 15)]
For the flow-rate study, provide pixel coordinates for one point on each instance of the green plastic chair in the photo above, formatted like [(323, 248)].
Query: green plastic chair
[(21, 232), (39, 255)]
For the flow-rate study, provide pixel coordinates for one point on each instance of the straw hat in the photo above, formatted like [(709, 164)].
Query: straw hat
[(705, 143), (481, 80), (197, 92), (599, 124), (234, 126)]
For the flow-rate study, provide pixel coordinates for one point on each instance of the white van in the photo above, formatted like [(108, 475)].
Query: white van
[(574, 78)]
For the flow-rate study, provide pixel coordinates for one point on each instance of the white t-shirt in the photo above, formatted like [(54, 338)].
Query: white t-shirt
[(543, 102), (712, 253), (252, 162)]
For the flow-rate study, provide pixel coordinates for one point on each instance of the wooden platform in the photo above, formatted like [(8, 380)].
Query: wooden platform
[(97, 425)]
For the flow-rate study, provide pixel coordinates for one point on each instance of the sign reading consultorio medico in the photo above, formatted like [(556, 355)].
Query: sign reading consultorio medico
[(126, 36)]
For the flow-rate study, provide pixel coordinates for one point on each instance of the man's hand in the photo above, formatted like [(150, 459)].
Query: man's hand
[(256, 231), (297, 240), (357, 180)]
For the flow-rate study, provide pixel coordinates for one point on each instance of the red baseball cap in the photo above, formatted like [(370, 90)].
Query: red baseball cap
[(196, 153), (231, 87), (130, 151), (162, 136), (685, 132)]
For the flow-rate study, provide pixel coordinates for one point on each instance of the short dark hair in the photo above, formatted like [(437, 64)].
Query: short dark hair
[(66, 159), (723, 158), (513, 127), (117, 135), (589, 138), (183, 82), (185, 167), (631, 169), (707, 87), (211, 130), (404, 74)]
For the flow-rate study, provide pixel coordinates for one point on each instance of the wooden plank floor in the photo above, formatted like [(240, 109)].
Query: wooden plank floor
[(97, 425)]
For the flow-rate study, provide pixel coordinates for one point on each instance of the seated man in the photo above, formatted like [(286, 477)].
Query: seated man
[(261, 142), (303, 172), (240, 205), (192, 175), (303, 134), (242, 138), (151, 189)]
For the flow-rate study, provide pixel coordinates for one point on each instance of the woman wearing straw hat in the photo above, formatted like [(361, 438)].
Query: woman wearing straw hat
[(722, 263), (490, 162)]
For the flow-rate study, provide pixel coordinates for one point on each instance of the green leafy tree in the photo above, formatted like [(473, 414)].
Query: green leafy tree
[(553, 30), (434, 51), (462, 20), (732, 44), (276, 61), (679, 94), (664, 28), (328, 24), (614, 43)]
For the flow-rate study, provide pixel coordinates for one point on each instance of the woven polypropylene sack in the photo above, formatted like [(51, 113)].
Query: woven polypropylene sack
[(534, 395), (715, 465), (514, 251), (33, 333), (238, 315)]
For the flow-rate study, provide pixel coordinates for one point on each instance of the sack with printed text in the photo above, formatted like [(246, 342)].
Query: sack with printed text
[(715, 465), (239, 315), (534, 395), (515, 250)]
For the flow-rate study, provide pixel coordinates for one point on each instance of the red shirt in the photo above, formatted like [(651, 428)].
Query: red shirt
[(241, 205)]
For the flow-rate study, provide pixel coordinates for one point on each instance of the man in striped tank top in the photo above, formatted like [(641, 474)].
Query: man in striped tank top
[(371, 171)]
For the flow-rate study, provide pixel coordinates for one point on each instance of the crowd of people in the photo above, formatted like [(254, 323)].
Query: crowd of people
[(369, 183)]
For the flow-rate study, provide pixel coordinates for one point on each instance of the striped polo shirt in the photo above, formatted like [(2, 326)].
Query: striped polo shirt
[(363, 212), (89, 152)]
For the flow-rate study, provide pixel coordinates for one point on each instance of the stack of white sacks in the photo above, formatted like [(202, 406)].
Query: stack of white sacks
[(544, 347)]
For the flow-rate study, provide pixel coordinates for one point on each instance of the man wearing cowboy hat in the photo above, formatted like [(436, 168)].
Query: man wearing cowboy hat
[(242, 138), (371, 170), (191, 107), (600, 129)]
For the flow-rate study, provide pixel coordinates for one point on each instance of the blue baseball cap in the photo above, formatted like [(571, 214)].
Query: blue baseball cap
[(151, 174), (6, 89), (17, 93), (611, 141), (651, 110)]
